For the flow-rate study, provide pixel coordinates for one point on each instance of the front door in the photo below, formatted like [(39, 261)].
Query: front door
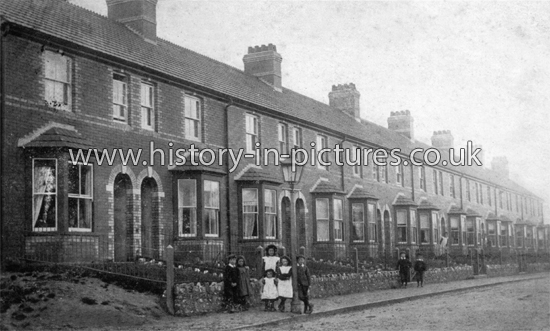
[(147, 219)]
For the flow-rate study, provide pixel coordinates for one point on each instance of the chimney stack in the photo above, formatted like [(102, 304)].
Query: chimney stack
[(481, 154), (138, 15), (402, 122), (443, 140), (264, 62), (500, 165), (346, 98)]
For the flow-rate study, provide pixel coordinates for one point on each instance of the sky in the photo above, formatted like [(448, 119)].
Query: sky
[(480, 69)]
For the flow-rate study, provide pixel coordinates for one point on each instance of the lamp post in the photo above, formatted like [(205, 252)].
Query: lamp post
[(292, 173)]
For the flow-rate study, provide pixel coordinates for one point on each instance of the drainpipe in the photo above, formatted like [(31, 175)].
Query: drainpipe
[(343, 181), (461, 200), (4, 30), (227, 189), (412, 181)]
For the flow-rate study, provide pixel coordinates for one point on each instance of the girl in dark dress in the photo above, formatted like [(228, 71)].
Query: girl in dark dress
[(243, 287), (404, 267)]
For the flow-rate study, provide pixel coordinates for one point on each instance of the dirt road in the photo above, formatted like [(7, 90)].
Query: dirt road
[(515, 306)]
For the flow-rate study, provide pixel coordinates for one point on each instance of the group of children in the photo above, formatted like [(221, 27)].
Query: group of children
[(404, 267), (276, 283)]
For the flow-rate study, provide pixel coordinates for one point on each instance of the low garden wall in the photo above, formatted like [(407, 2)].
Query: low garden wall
[(195, 299)]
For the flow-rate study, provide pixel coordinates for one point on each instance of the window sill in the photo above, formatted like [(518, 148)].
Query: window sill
[(79, 230)]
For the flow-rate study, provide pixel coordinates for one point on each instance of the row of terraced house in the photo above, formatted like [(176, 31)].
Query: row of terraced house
[(73, 79)]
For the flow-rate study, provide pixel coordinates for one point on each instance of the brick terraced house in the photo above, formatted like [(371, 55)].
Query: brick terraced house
[(73, 79)]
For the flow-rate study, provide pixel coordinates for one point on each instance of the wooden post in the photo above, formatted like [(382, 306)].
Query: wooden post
[(259, 262), (170, 279), (356, 260)]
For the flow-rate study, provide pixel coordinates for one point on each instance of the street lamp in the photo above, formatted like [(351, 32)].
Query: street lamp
[(292, 173)]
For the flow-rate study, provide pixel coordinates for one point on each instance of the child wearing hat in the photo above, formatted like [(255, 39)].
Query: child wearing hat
[(230, 282), (284, 274), (419, 268), (304, 280)]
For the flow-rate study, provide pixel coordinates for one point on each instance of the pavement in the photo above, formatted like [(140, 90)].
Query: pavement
[(257, 318)]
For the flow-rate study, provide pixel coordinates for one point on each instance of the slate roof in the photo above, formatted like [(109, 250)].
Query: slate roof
[(327, 187), (89, 30), (259, 175), (59, 138), (361, 193), (471, 212), (456, 210), (404, 201), (427, 205)]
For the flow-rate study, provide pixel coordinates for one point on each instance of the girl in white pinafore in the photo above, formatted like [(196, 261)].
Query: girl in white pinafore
[(269, 290), (284, 275)]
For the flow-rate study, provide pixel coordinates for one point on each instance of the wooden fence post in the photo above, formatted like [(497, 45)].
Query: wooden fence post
[(170, 279)]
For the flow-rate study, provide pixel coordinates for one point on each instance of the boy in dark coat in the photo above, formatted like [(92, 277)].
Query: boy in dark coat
[(304, 280), (404, 267), (230, 282), (419, 267)]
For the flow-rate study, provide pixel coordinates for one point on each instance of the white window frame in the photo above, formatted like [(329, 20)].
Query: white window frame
[(53, 79), (371, 225), (454, 229), (148, 106), (422, 177), (80, 196), (270, 211), (252, 128), (424, 226), (214, 207), (401, 225), (193, 117), (357, 169), (55, 194), (399, 175)]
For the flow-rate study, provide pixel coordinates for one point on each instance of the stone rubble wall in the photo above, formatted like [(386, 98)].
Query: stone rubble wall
[(197, 299)]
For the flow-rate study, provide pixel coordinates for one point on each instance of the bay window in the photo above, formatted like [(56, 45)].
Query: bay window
[(358, 221), (414, 227), (250, 213), (187, 207), (401, 226), (211, 213), (372, 228), (322, 219), (270, 213), (424, 228), (338, 220), (492, 234), (44, 200), (455, 231), (503, 235), (470, 232)]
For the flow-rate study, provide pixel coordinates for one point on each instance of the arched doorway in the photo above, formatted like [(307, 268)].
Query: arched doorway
[(301, 222), (123, 217), (285, 209), (149, 219)]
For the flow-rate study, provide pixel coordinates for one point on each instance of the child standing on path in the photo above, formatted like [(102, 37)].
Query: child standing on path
[(244, 289), (271, 260), (404, 267), (230, 281), (419, 267), (284, 274), (304, 280), (269, 290)]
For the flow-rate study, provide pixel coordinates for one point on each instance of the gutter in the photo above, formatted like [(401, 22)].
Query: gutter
[(4, 30), (227, 180)]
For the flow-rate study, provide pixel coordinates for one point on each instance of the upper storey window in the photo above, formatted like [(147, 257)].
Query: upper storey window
[(252, 133), (120, 98), (57, 80), (192, 118), (147, 106)]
